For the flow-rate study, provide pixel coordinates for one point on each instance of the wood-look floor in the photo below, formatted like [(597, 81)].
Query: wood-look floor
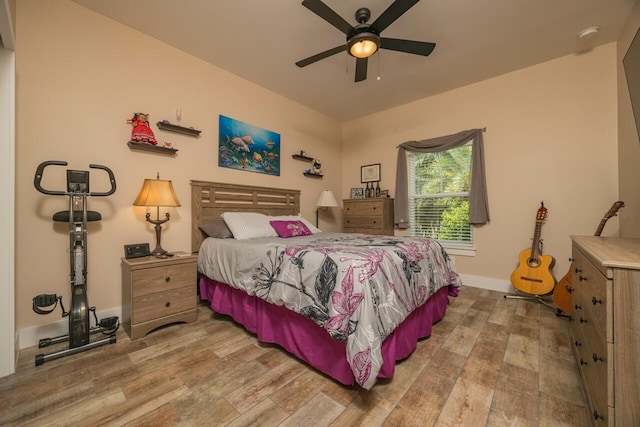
[(490, 361)]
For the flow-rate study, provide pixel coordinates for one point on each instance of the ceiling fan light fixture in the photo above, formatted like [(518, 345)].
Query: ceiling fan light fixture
[(363, 45)]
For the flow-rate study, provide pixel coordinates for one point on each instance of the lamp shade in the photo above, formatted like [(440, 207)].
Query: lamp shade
[(326, 200), (157, 192)]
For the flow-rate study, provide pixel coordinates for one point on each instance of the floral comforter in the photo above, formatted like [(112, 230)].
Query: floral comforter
[(357, 287)]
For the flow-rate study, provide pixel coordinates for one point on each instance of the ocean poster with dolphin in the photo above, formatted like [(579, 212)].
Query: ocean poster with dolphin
[(246, 147)]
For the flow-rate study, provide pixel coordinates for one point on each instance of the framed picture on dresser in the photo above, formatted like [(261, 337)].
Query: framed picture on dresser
[(357, 193)]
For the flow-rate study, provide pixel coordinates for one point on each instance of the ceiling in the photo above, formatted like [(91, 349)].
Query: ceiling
[(260, 41)]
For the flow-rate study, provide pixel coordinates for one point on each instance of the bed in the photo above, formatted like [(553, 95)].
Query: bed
[(349, 305)]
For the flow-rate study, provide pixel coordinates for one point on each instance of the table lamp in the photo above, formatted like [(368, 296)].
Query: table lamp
[(325, 201), (159, 193)]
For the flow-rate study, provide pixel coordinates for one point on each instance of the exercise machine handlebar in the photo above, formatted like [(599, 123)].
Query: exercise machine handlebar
[(112, 181), (40, 172)]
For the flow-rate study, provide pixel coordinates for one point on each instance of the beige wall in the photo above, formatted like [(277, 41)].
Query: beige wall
[(79, 77), (551, 135), (628, 144)]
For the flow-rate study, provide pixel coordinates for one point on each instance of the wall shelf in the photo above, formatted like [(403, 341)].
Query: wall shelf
[(143, 146), (303, 158), (313, 175), (178, 129)]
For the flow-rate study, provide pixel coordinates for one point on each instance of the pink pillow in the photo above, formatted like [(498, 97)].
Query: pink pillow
[(290, 228)]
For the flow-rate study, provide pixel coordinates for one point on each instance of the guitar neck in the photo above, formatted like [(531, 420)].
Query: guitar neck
[(535, 247), (603, 221)]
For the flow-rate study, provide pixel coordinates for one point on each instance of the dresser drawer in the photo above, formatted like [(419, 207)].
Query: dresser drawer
[(374, 207), (374, 222), (161, 304), (591, 290), (160, 279)]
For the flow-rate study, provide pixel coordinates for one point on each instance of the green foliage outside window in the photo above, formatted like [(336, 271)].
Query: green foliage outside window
[(441, 194)]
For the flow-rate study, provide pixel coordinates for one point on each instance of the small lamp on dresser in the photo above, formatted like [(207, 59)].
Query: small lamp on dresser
[(325, 201), (156, 193)]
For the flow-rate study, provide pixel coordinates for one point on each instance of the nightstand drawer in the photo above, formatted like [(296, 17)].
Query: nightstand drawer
[(161, 304), (159, 279)]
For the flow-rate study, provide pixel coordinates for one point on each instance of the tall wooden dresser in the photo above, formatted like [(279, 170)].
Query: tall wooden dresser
[(605, 327), (368, 216)]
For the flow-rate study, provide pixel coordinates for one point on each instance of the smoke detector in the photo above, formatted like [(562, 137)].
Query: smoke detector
[(587, 33)]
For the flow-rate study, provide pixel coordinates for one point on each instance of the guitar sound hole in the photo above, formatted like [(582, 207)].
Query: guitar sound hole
[(533, 262)]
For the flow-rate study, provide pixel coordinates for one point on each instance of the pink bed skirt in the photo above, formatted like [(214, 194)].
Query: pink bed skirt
[(309, 342)]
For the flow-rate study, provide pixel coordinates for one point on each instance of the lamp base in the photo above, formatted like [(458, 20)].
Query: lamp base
[(158, 252)]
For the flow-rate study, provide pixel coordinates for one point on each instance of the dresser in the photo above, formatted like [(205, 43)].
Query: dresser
[(157, 292), (369, 216), (605, 327)]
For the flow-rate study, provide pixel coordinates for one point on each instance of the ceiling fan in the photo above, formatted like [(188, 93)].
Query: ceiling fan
[(364, 39)]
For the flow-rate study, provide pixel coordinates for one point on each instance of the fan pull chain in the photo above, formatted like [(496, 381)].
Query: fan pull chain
[(378, 55)]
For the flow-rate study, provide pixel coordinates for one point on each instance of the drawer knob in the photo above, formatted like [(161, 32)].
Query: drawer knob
[(374, 208), (167, 279), (578, 343), (582, 278), (582, 362), (569, 288), (597, 416), (597, 358), (595, 301), (167, 304), (583, 320), (577, 306), (577, 270)]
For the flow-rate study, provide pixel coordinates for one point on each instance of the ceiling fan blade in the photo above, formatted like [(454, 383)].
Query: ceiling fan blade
[(326, 13), (361, 69), (407, 46), (327, 53), (393, 12)]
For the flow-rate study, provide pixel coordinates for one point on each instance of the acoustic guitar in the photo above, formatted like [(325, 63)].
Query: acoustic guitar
[(562, 291), (533, 274)]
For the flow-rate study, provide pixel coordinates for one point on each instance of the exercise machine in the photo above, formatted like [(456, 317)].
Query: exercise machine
[(77, 216)]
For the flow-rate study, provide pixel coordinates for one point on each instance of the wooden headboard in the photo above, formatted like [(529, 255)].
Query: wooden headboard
[(210, 199)]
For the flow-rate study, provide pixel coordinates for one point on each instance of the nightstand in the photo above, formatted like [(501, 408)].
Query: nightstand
[(157, 292)]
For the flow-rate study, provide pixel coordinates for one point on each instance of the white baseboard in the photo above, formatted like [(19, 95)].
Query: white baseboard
[(487, 283), (30, 337)]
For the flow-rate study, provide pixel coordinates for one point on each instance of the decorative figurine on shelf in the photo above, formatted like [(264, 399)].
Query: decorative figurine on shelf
[(302, 153), (141, 129), (316, 167)]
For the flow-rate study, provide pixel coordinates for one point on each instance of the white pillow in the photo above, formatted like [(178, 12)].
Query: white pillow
[(248, 225), (298, 217)]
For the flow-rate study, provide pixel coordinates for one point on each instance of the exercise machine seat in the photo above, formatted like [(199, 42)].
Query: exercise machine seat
[(63, 216)]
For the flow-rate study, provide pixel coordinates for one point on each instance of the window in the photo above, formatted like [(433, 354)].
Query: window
[(439, 197)]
